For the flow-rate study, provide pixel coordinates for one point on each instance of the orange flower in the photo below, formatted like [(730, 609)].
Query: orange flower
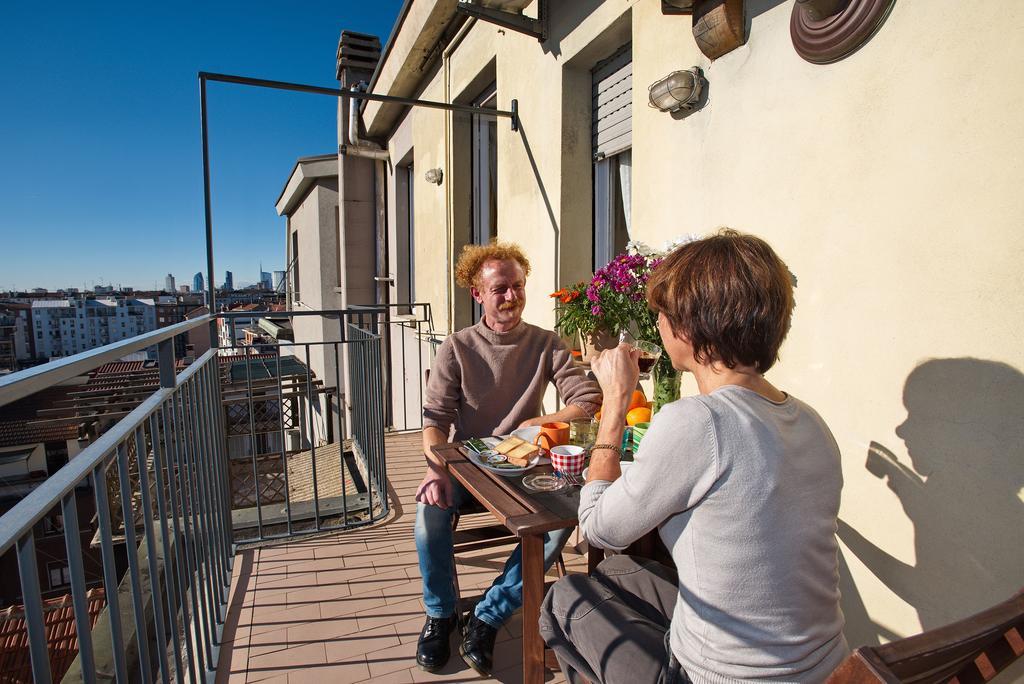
[(559, 294)]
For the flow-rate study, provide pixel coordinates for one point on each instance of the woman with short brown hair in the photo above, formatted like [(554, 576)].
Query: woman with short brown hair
[(742, 483)]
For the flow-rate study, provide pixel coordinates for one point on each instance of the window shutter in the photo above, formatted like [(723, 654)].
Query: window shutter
[(613, 104)]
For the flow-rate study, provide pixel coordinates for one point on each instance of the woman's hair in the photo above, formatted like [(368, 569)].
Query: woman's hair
[(473, 257), (729, 295)]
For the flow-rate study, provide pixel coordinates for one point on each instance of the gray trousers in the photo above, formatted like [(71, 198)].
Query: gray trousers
[(613, 627)]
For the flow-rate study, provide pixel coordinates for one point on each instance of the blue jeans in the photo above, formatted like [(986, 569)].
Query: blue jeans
[(434, 546)]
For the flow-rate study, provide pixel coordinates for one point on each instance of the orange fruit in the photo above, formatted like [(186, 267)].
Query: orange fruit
[(641, 414), (638, 399)]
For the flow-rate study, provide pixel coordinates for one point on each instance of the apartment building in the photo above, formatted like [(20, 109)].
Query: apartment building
[(895, 207), (15, 340), (62, 327)]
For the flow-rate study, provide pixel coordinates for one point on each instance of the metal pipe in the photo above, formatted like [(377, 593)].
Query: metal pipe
[(211, 288), (353, 119), (340, 92), (355, 146), (377, 155)]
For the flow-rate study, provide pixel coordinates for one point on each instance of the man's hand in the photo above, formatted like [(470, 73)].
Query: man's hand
[(436, 489), (539, 420)]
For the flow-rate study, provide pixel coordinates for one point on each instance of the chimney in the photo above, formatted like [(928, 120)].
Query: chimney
[(358, 54)]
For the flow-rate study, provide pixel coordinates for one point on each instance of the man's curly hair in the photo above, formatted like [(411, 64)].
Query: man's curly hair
[(473, 257)]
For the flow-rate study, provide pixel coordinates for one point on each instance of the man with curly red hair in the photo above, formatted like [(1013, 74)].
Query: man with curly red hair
[(487, 379)]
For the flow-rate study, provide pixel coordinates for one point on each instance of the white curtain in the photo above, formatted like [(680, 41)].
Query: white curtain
[(626, 188)]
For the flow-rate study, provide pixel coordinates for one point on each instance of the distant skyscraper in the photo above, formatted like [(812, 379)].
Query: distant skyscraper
[(229, 281), (197, 283), (169, 283), (266, 281), (278, 281)]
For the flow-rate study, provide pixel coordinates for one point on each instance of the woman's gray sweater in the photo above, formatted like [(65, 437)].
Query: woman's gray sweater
[(744, 493)]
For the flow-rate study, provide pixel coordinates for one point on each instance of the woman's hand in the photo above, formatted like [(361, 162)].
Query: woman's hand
[(617, 371)]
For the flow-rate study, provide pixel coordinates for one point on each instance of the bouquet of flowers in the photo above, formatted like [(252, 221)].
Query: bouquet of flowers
[(614, 299)]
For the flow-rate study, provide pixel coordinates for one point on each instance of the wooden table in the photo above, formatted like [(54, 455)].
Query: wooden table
[(526, 516)]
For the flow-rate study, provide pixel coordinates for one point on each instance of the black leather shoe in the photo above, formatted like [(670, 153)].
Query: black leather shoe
[(477, 647), (434, 647)]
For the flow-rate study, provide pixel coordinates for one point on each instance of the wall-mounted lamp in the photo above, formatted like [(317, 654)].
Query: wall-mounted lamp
[(434, 176), (678, 90)]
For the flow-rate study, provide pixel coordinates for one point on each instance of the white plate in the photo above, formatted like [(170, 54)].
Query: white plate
[(623, 466), (527, 434), (507, 472)]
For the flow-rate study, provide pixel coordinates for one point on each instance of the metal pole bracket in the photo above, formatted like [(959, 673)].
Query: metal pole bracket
[(538, 28)]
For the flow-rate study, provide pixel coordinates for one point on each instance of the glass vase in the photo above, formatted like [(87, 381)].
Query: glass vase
[(667, 381)]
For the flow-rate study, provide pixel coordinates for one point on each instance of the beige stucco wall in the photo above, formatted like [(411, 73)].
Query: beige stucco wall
[(889, 181), (893, 195)]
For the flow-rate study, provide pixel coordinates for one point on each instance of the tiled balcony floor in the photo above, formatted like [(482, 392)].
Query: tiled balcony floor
[(347, 607)]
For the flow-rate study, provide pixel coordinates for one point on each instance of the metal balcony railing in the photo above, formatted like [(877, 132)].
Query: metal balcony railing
[(306, 415), (160, 490), (274, 439)]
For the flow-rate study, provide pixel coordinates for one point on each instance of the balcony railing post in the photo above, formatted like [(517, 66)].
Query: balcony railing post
[(211, 505), (252, 444), (224, 463), (214, 457), (195, 588), (342, 434), (200, 536), (79, 593), (160, 463), (132, 551), (312, 439), (186, 584), (284, 441), (99, 483), (151, 552), (32, 600), (165, 362)]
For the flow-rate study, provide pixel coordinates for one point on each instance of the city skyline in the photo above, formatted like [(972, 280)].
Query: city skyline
[(156, 285), (128, 204)]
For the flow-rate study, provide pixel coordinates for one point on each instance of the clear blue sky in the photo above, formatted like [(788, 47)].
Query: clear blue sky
[(101, 162)]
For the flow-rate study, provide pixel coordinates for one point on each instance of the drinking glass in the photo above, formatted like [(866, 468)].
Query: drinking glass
[(649, 352), (582, 432)]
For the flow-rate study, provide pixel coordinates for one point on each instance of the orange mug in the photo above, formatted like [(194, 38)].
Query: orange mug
[(552, 434)]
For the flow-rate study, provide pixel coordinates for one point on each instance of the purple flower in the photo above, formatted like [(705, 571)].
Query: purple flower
[(595, 310)]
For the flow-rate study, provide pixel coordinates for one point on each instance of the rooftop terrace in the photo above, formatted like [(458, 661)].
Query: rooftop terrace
[(347, 607)]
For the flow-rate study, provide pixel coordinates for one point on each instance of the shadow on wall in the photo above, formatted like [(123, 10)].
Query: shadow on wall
[(964, 433)]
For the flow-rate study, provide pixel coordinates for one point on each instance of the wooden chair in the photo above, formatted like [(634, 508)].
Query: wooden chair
[(972, 650)]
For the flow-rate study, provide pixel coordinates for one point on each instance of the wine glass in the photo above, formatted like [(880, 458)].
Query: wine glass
[(649, 352)]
